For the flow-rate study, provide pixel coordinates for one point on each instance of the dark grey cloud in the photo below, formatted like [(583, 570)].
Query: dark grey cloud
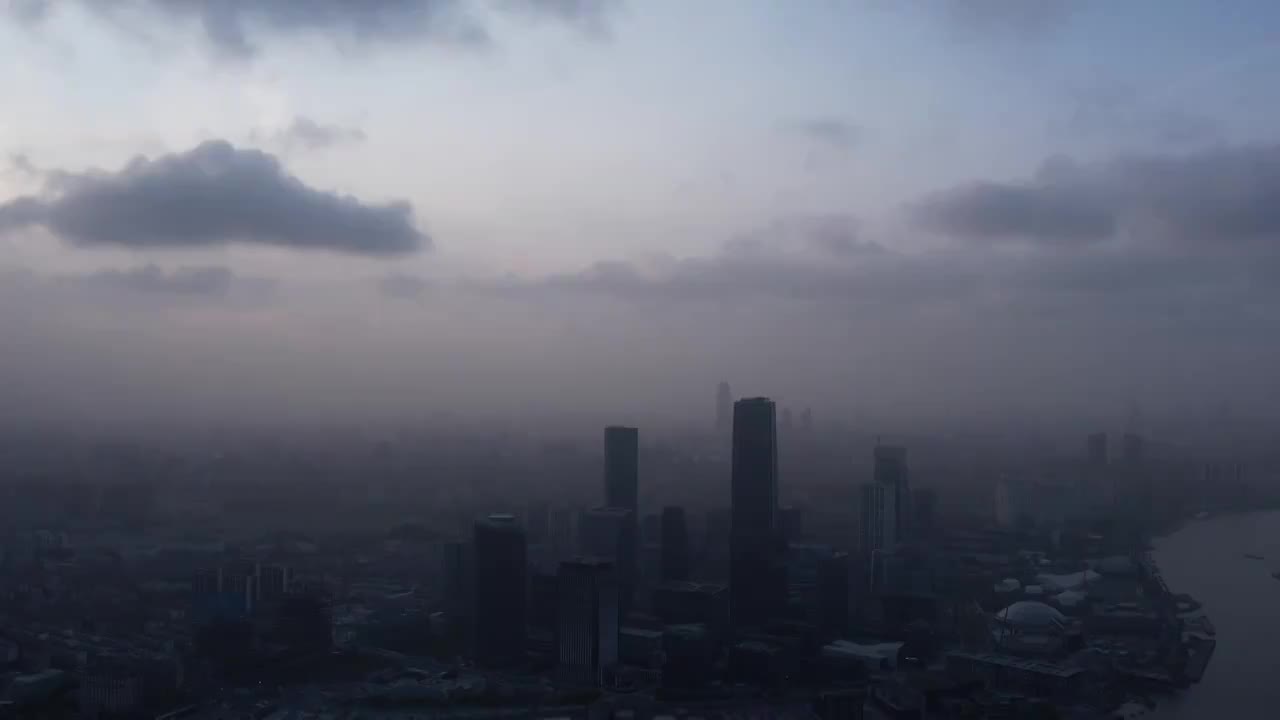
[(211, 195), (833, 132), (1226, 198), (1006, 211), (206, 282), (240, 28), (400, 286)]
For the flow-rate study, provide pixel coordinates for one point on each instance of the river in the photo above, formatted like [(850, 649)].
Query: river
[(1205, 560)]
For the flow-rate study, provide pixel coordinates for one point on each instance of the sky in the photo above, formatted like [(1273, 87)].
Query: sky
[(523, 208)]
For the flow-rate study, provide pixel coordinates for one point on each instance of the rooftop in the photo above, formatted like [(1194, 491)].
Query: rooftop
[(1014, 663)]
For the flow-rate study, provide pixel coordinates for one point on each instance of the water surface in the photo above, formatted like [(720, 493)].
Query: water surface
[(1243, 601)]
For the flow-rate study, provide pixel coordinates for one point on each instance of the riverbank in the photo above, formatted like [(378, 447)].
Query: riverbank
[(1204, 559)]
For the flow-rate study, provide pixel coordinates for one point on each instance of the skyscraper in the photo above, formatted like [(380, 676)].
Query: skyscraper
[(1097, 449), (877, 518), (757, 583), (608, 533), (724, 407), (587, 626), (1133, 448), (675, 544), (621, 467), (891, 472), (500, 569), (622, 490)]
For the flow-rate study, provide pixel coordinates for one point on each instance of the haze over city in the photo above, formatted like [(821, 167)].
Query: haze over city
[(639, 359), (893, 212)]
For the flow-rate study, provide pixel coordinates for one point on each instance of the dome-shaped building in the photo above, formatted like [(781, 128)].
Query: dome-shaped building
[(1028, 616)]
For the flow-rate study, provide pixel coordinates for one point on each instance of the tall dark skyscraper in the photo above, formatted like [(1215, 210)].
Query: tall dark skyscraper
[(675, 544), (1133, 448), (1097, 446), (622, 468), (609, 533), (757, 582), (622, 490), (500, 569), (587, 626), (891, 472), (724, 407)]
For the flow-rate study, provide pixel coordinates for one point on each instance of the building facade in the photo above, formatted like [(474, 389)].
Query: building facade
[(587, 620)]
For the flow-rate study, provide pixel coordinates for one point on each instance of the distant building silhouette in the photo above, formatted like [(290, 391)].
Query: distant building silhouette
[(806, 420), (791, 523), (587, 627), (891, 472), (1097, 446), (787, 422), (457, 568), (622, 490), (675, 544), (724, 407), (757, 583), (924, 511), (500, 582), (621, 467), (1134, 449), (607, 533), (877, 518)]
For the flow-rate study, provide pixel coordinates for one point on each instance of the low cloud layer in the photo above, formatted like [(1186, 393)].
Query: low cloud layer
[(1218, 200), (1181, 243), (403, 287), (213, 194), (200, 282), (313, 135), (831, 132), (240, 28)]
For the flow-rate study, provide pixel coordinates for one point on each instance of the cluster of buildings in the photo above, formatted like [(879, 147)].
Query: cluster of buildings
[(627, 612)]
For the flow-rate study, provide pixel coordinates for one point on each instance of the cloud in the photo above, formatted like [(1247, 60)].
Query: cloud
[(313, 135), (1179, 246), (591, 16), (214, 194), (240, 28), (403, 287), (832, 132), (1223, 197), (805, 259), (1038, 210), (208, 282)]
